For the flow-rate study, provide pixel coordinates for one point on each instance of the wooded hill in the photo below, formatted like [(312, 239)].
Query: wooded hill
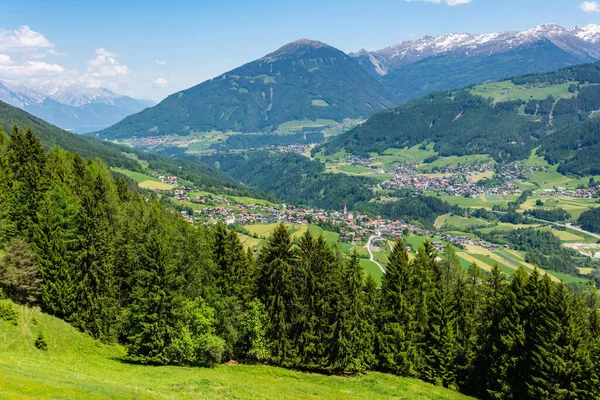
[(461, 123), (117, 156)]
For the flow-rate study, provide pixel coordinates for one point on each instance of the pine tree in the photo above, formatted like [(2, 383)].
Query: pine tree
[(55, 242), (396, 336), (234, 269), (504, 338), (539, 355), (440, 340), (96, 290), (19, 276), (26, 161), (6, 181), (155, 307), (277, 291), (481, 377), (352, 339), (573, 373), (370, 300), (319, 288), (467, 299)]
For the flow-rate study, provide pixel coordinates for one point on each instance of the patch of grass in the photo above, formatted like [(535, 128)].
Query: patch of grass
[(138, 177), (371, 268), (249, 241), (567, 236), (152, 185), (455, 160), (507, 91), (320, 103)]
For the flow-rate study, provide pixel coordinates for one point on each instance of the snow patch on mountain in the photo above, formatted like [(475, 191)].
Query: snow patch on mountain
[(582, 41)]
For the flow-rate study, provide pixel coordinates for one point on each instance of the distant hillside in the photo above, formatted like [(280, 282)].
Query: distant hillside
[(302, 80), (415, 68), (117, 156), (553, 110)]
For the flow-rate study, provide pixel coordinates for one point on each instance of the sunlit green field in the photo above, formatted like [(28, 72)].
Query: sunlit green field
[(77, 367), (507, 91), (136, 176)]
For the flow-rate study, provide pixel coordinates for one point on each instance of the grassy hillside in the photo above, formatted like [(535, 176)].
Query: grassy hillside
[(76, 366)]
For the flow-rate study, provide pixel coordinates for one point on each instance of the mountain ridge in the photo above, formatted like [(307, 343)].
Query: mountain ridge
[(301, 80), (413, 50)]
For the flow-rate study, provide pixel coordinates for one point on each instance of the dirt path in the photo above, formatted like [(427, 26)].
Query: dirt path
[(368, 246)]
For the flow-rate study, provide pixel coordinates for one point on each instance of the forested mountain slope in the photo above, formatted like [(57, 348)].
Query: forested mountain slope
[(463, 122), (117, 156), (302, 80), (450, 71)]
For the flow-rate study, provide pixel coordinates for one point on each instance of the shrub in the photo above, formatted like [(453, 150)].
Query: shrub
[(40, 342), (8, 313)]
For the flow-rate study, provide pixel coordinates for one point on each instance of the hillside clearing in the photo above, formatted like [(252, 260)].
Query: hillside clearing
[(76, 366)]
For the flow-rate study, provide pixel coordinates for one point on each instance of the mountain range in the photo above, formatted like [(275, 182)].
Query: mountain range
[(308, 80), (414, 68), (72, 107)]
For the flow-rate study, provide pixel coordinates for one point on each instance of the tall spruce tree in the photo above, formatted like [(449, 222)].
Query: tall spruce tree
[(467, 299), (352, 339), (277, 291), (494, 288), (440, 338), (539, 355), (96, 290), (55, 242), (574, 371), (507, 340), (27, 163), (6, 180), (156, 300), (397, 341), (318, 283)]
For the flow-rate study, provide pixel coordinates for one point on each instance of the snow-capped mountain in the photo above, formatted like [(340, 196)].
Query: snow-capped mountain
[(19, 95), (414, 68), (584, 42), (72, 107), (78, 95)]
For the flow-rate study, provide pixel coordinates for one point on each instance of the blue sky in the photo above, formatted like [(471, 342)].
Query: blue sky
[(151, 49)]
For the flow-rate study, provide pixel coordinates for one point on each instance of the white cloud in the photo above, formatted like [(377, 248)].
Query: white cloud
[(590, 6), (448, 2), (161, 62), (23, 39), (160, 83), (106, 65), (53, 52), (28, 69), (5, 59)]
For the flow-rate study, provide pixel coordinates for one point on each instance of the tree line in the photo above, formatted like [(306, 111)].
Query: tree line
[(125, 268)]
